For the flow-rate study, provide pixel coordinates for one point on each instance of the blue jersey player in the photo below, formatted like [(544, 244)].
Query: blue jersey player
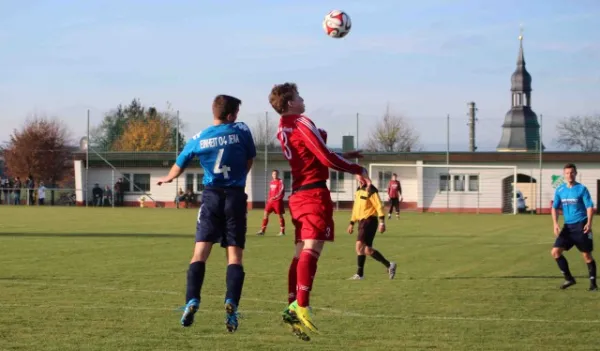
[(226, 152), (577, 207)]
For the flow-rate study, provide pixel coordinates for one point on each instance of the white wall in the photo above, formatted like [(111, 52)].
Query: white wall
[(488, 196)]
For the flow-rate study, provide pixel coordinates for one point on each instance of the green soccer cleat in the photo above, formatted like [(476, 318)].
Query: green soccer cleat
[(289, 317)]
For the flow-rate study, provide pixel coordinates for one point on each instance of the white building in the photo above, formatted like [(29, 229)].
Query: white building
[(474, 182)]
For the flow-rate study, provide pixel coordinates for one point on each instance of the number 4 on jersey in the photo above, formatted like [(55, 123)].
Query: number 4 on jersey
[(218, 169)]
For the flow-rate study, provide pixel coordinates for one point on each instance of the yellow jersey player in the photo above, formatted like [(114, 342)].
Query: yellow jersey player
[(368, 212)]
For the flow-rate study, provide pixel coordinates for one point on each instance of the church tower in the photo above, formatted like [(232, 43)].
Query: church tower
[(521, 130)]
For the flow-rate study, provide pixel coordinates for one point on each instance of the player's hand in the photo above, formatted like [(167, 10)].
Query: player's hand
[(350, 229), (557, 229), (353, 154), (163, 180), (382, 227), (586, 228)]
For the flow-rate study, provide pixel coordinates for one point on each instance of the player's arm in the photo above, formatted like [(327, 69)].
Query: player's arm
[(249, 144), (378, 205), (555, 206), (182, 161), (280, 191), (354, 216), (328, 158), (589, 205)]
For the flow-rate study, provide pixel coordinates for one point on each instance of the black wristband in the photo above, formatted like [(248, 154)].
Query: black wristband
[(351, 222), (382, 218)]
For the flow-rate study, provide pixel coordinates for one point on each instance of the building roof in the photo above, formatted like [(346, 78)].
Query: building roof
[(167, 159)]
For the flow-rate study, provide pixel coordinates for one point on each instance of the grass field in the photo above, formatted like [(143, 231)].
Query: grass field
[(112, 279)]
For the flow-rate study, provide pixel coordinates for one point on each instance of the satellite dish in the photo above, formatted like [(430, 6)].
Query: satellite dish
[(83, 143)]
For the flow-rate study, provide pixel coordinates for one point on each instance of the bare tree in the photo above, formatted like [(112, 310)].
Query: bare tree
[(393, 134), (265, 132), (580, 133)]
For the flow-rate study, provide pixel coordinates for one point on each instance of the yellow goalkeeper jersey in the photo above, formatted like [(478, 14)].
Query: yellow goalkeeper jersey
[(367, 203)]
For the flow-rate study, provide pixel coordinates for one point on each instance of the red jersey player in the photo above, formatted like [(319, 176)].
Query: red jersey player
[(395, 195), (310, 204), (274, 204)]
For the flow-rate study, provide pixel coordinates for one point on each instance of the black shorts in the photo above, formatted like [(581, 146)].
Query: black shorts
[(367, 228), (222, 217), (573, 235)]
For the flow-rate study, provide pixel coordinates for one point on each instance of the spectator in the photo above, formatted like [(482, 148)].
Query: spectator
[(179, 197), (41, 194), (30, 185), (7, 190), (119, 192), (108, 197), (190, 198), (17, 190), (4, 190), (97, 195)]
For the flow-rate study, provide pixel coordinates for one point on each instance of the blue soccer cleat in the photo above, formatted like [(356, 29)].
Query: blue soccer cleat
[(231, 316), (188, 313)]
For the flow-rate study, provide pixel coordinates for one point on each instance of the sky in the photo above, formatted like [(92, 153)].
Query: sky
[(424, 59)]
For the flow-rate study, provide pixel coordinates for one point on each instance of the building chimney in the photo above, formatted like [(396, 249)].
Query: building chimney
[(471, 124)]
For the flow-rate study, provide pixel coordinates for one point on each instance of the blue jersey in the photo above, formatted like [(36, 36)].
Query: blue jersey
[(224, 151), (574, 201)]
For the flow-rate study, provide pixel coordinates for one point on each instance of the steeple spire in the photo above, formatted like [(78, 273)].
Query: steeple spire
[(520, 131), (521, 58)]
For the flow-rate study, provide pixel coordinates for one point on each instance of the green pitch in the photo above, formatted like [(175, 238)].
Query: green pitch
[(112, 279)]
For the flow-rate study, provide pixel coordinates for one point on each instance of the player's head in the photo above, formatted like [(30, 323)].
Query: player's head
[(275, 174), (570, 171), (225, 108), (286, 100), (394, 176)]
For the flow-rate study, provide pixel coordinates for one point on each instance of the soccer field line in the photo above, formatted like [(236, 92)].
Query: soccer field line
[(338, 312), (282, 303)]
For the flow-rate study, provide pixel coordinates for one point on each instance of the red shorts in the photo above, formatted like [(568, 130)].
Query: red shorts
[(312, 214), (275, 206)]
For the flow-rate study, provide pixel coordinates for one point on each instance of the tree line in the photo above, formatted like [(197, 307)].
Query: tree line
[(43, 147)]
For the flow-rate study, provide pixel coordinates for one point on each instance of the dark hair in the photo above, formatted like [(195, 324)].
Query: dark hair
[(276, 171), (281, 95), (570, 165), (225, 105), (394, 174)]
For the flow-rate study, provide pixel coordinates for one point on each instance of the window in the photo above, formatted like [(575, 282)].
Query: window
[(444, 182), (384, 179), (126, 184), (141, 182), (287, 180), (189, 182), (473, 182), (459, 182), (336, 184), (199, 185)]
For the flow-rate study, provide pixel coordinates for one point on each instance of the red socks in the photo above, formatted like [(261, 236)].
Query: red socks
[(307, 268), (292, 280), (264, 224), (282, 224)]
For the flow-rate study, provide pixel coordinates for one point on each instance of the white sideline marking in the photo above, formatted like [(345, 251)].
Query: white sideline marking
[(282, 303)]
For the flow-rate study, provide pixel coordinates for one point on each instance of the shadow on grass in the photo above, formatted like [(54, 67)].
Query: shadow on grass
[(98, 235)]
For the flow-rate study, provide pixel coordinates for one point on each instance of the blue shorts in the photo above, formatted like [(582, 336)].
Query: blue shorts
[(222, 217), (573, 235)]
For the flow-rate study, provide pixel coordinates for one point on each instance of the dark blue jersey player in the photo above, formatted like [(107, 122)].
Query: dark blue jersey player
[(577, 207), (226, 152)]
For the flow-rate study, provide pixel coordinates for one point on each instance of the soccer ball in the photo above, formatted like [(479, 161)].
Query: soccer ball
[(337, 24)]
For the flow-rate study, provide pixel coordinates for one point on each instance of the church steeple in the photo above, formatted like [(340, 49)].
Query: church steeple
[(520, 131), (521, 80)]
